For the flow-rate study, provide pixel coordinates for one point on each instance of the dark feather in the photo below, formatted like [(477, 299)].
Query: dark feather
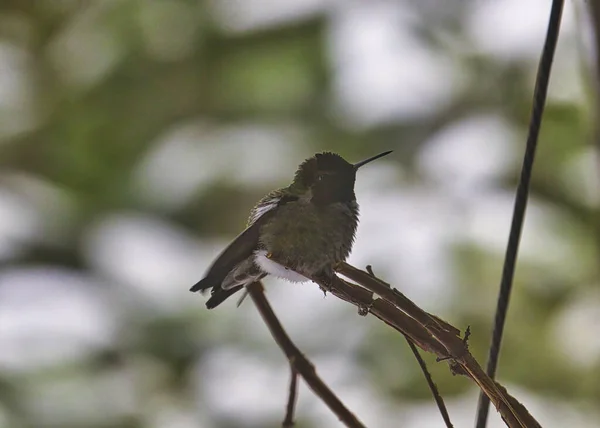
[(219, 295), (240, 249)]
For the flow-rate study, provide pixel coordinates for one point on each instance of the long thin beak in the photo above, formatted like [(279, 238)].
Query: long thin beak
[(366, 161)]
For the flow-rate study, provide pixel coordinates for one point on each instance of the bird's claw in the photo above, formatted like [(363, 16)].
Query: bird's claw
[(364, 310)]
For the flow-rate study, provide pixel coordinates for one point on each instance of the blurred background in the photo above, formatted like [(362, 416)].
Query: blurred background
[(135, 136)]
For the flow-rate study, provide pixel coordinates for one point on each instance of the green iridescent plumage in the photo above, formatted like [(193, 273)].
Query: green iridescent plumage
[(296, 233)]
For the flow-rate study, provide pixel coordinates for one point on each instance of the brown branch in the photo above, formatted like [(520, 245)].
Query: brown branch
[(298, 361), (426, 331), (288, 421), (439, 401), (432, 386)]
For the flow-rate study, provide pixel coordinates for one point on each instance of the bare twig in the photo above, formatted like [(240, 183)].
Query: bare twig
[(510, 260), (424, 330), (427, 332), (432, 386), (288, 421), (299, 362), (594, 7)]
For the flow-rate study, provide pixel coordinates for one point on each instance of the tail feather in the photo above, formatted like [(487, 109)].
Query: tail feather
[(219, 295), (220, 291), (204, 284), (225, 276)]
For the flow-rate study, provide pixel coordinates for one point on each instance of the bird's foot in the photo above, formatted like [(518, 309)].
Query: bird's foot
[(325, 281), (363, 310)]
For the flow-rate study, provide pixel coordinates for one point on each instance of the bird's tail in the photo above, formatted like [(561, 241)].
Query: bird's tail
[(204, 284), (219, 295), (243, 274)]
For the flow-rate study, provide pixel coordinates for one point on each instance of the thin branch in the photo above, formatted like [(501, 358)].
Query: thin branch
[(594, 7), (432, 386), (288, 421), (426, 331), (299, 362), (508, 271)]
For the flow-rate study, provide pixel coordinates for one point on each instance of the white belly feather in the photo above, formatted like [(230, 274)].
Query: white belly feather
[(275, 269)]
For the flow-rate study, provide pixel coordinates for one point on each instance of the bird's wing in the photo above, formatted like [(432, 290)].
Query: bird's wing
[(242, 247), (270, 202)]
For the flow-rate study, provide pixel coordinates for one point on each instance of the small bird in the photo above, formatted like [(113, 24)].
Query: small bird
[(296, 233)]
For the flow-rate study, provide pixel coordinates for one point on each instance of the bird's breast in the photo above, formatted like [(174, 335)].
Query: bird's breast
[(266, 263), (307, 238)]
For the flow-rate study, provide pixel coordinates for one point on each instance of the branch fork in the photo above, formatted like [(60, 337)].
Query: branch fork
[(421, 329)]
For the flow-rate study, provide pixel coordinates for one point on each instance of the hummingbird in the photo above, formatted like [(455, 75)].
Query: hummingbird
[(295, 233)]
